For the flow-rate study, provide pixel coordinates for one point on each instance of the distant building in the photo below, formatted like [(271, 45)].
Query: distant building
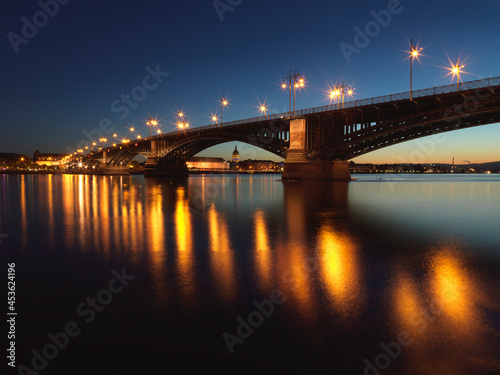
[(50, 159), (236, 155), (207, 164), (361, 168), (259, 165)]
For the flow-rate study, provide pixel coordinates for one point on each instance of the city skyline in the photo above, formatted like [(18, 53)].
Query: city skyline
[(59, 94)]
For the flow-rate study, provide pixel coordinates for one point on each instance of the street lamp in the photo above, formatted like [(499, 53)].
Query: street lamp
[(341, 90), (103, 141), (263, 109), (296, 81), (131, 131), (414, 52), (334, 94), (215, 120), (151, 122), (455, 70), (181, 123), (223, 103)]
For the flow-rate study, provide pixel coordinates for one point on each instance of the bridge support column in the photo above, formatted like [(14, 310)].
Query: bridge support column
[(298, 167), (155, 169)]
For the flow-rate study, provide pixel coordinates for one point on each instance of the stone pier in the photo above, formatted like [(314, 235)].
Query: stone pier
[(298, 167), (154, 169)]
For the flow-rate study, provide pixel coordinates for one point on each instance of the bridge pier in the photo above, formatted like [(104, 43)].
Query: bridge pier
[(298, 167), (154, 169)]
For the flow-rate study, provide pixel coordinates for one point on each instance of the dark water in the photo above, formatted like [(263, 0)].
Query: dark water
[(385, 274)]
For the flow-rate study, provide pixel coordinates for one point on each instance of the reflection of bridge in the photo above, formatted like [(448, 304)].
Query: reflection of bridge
[(316, 142)]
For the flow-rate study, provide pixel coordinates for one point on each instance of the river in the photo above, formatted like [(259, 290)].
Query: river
[(385, 274)]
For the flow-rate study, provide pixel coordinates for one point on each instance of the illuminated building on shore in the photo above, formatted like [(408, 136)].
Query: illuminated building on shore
[(50, 160), (259, 165), (236, 155), (207, 164)]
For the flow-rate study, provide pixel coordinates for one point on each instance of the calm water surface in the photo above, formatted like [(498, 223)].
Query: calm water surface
[(393, 274)]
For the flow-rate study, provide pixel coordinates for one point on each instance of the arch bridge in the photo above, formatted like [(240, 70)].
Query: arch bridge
[(317, 142)]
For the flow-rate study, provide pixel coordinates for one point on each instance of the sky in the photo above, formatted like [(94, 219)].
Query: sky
[(72, 69)]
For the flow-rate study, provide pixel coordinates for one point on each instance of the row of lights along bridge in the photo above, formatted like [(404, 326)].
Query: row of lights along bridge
[(293, 82)]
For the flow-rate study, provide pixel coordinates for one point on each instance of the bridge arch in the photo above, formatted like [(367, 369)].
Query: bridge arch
[(185, 149)]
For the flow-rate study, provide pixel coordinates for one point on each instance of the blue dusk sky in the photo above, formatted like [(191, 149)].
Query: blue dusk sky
[(73, 68)]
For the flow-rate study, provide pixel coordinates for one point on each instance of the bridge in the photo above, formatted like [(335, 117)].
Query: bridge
[(316, 143)]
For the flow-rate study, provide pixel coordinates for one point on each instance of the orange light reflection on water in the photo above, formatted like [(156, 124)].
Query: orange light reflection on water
[(442, 310), (184, 239), (339, 271), (221, 254), (262, 251)]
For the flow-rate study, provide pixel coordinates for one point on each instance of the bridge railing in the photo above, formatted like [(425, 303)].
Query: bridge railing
[(463, 86)]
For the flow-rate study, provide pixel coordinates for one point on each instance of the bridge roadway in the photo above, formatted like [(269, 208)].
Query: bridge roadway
[(316, 143)]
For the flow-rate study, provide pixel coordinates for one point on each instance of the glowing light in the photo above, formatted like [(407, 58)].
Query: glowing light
[(415, 52), (455, 70), (263, 108), (152, 122)]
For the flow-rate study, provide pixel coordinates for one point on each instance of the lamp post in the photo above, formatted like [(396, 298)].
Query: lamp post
[(341, 90), (223, 103), (456, 72), (263, 109), (215, 120), (151, 122), (296, 81), (181, 123), (414, 52)]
